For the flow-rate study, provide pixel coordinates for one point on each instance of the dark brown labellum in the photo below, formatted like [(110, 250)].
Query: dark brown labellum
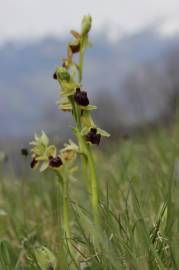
[(55, 76), (94, 130), (81, 97), (24, 152), (33, 163), (93, 137), (75, 48), (55, 162)]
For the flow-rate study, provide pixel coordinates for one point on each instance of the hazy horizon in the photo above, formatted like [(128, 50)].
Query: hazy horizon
[(30, 19)]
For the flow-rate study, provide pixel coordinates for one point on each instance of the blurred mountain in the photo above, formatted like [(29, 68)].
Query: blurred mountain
[(131, 72)]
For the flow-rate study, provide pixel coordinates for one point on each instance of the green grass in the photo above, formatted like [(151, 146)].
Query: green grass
[(139, 212)]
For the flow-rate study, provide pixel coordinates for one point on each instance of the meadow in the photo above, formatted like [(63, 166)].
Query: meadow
[(139, 193)]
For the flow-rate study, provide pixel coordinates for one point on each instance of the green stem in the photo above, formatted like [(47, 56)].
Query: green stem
[(94, 186), (81, 60), (66, 209), (90, 173), (78, 113), (63, 180), (62, 263)]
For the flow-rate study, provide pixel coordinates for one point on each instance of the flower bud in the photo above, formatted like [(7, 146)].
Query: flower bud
[(81, 97), (55, 162), (86, 25), (93, 137), (62, 74)]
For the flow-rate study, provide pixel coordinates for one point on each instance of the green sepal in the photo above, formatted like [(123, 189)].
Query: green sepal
[(85, 130), (86, 119), (67, 93), (42, 139), (42, 158), (51, 151), (44, 166), (40, 144), (65, 107), (88, 108), (64, 104), (103, 132), (68, 88), (100, 131)]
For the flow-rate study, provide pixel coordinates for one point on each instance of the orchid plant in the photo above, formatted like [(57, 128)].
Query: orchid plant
[(73, 98)]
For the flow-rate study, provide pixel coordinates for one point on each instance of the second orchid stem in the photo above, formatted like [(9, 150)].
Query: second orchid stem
[(63, 180)]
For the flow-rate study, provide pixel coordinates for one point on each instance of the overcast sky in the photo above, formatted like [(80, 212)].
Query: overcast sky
[(21, 19)]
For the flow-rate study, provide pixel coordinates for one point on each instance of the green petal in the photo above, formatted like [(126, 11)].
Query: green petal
[(88, 108), (103, 132), (44, 166)]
